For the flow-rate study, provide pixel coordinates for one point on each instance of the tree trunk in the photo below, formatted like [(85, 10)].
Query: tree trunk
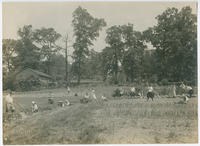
[(79, 72), (66, 64)]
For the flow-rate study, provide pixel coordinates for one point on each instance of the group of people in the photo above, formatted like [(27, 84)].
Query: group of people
[(187, 92), (66, 102), (90, 95), (132, 92)]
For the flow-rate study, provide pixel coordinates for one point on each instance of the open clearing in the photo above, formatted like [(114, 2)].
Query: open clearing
[(119, 120)]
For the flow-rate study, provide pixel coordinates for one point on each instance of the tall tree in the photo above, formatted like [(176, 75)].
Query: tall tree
[(134, 50), (116, 49), (175, 40), (125, 48), (86, 30), (46, 40), (27, 54), (67, 46)]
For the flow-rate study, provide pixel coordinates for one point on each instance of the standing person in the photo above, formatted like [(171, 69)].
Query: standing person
[(150, 93), (68, 89), (183, 87), (174, 91), (9, 102), (190, 91)]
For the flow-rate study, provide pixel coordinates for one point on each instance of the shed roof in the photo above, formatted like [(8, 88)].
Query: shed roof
[(36, 72)]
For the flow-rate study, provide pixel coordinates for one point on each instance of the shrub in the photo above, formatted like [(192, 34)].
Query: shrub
[(28, 84), (116, 93), (8, 82)]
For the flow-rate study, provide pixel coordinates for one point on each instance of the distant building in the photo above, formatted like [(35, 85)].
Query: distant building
[(33, 78)]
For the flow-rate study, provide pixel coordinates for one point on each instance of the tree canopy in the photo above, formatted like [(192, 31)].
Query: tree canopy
[(86, 30), (175, 40)]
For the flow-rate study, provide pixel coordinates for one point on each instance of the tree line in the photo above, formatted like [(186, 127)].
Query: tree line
[(125, 58)]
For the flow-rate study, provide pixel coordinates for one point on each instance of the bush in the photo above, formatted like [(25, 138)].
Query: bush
[(164, 82), (28, 84), (8, 82)]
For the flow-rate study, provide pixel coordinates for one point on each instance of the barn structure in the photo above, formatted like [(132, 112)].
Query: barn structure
[(29, 79)]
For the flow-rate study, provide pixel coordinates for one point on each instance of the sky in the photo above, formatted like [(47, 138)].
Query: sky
[(59, 16)]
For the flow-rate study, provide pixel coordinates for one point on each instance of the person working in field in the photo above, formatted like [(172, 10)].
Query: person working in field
[(85, 99), (132, 93), (34, 107), (50, 98), (68, 89), (9, 102), (87, 96), (187, 89), (150, 93), (93, 94), (103, 97), (121, 91), (67, 102)]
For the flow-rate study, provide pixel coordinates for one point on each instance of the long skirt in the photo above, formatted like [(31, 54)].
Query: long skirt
[(150, 95)]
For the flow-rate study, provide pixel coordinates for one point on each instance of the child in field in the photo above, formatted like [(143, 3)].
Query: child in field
[(85, 99), (67, 102), (87, 96), (121, 91), (34, 107), (93, 94), (103, 97), (132, 91)]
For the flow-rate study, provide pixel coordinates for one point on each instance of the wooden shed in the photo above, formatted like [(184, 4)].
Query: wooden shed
[(33, 78)]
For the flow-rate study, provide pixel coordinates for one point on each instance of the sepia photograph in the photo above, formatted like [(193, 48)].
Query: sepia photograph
[(97, 72)]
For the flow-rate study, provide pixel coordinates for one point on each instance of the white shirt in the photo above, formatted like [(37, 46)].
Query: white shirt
[(67, 102), (94, 96), (150, 89), (34, 107), (68, 89), (87, 96), (103, 97), (9, 99), (133, 89)]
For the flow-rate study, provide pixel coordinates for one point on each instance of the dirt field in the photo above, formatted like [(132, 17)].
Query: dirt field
[(121, 120)]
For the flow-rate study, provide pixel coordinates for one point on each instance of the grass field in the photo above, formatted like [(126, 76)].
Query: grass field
[(120, 120)]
